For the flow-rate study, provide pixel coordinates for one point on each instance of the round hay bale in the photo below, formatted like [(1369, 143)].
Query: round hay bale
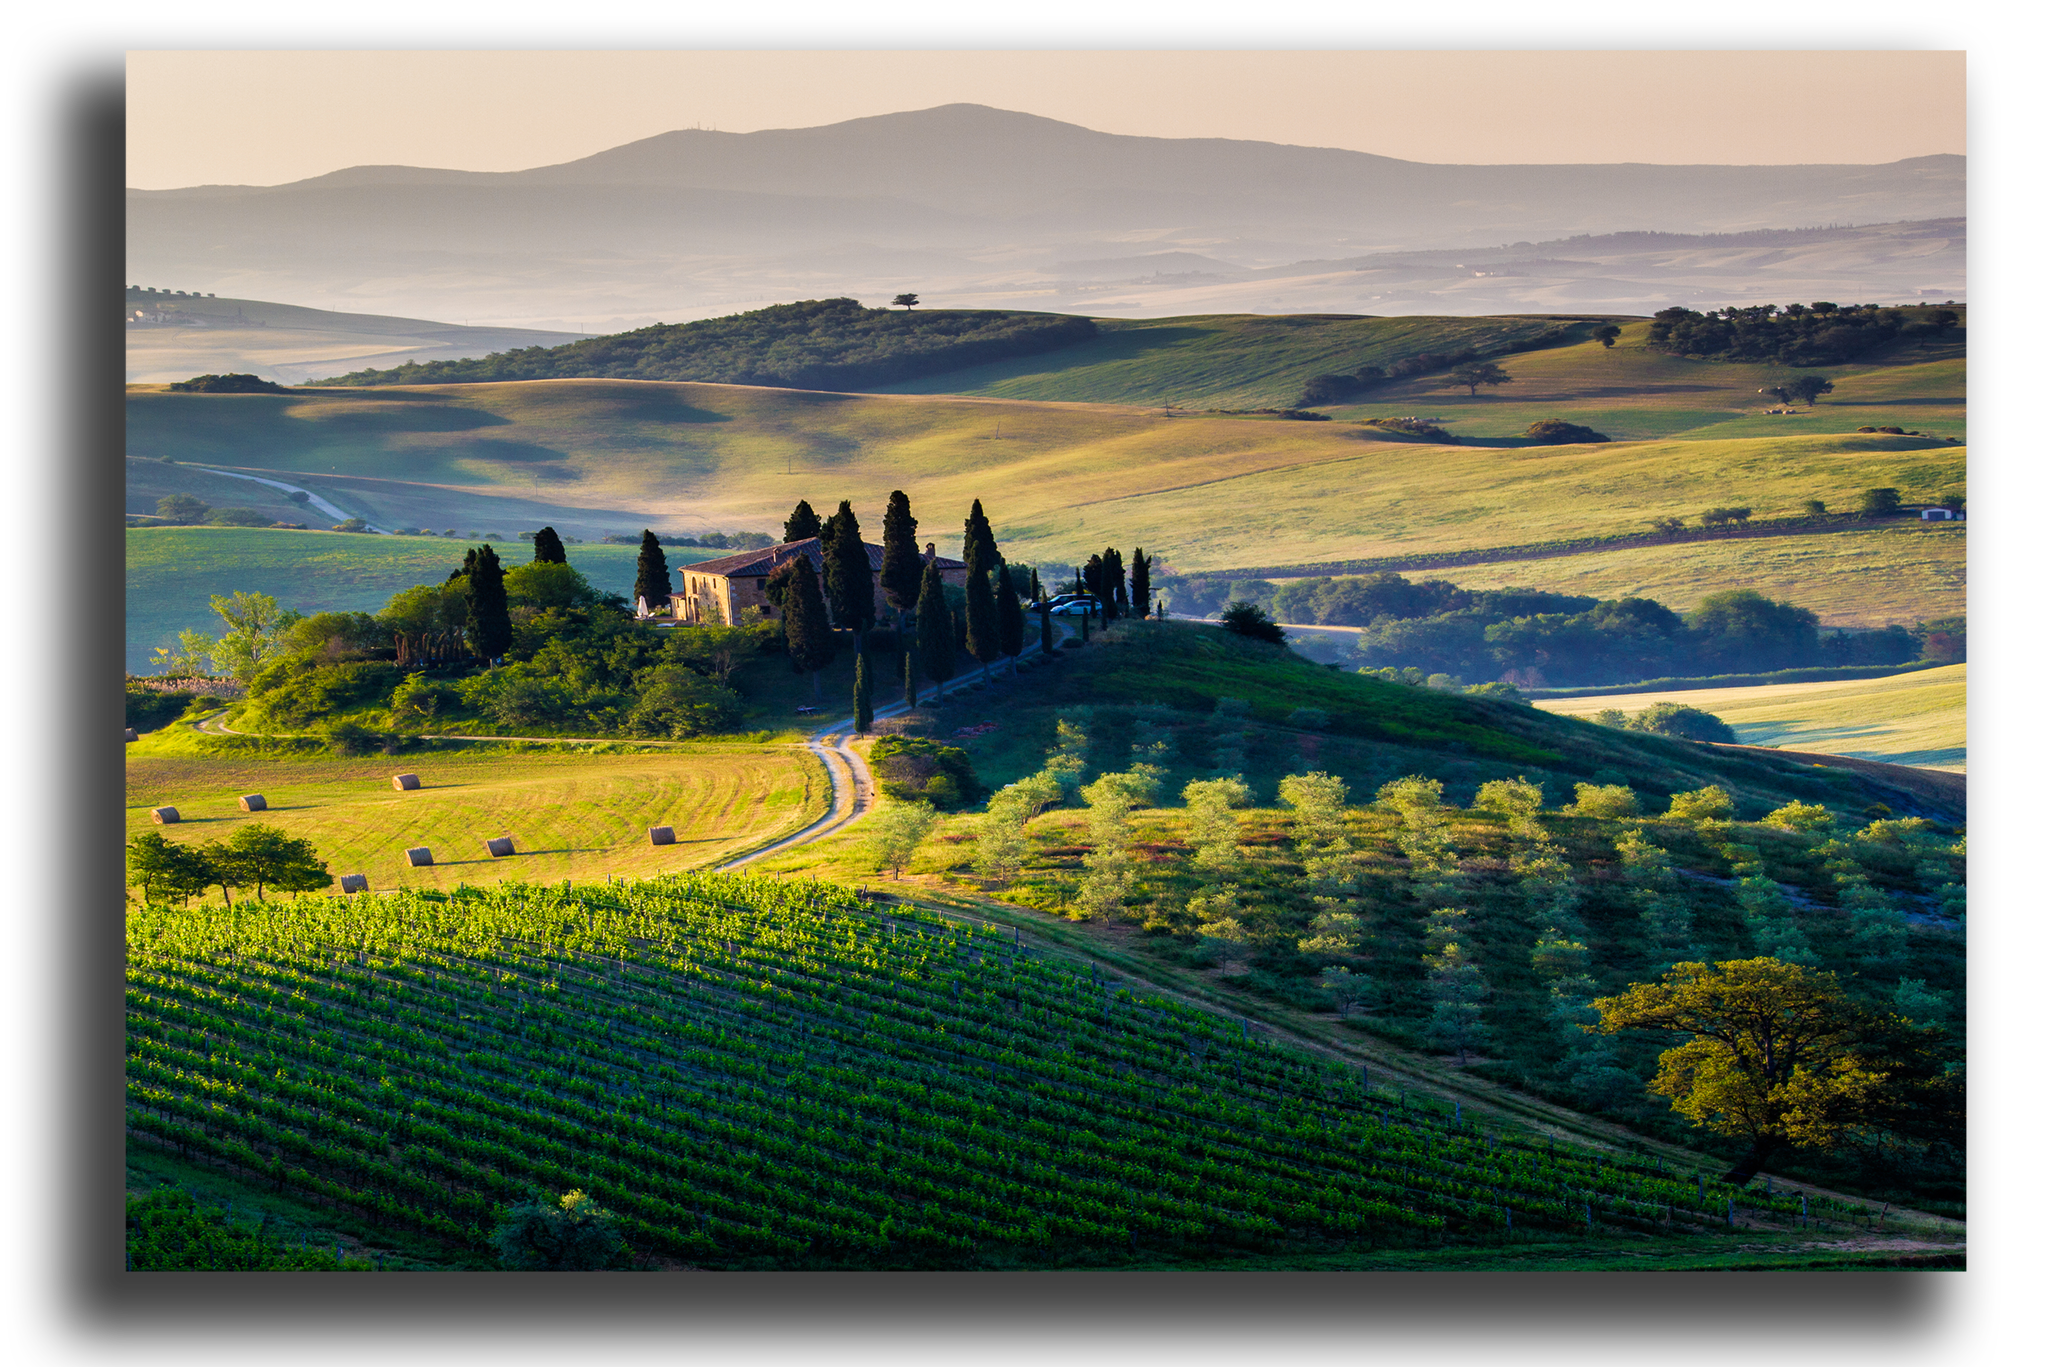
[(131, 733), (419, 856), (164, 816), (252, 802), (405, 783), (499, 846), (354, 882), (661, 835)]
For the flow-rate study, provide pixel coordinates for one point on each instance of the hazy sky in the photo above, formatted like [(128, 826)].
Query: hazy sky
[(264, 118)]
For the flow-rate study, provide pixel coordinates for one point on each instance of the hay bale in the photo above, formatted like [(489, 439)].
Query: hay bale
[(252, 802), (164, 816), (354, 882), (661, 835), (419, 856), (405, 783), (499, 846), (131, 733)]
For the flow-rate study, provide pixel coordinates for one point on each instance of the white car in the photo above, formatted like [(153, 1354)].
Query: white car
[(1075, 608)]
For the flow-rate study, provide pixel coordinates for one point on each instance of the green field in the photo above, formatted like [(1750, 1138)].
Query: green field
[(1917, 718), (172, 572), (1905, 574), (570, 815)]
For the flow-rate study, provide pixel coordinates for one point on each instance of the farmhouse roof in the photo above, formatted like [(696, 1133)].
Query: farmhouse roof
[(762, 563)]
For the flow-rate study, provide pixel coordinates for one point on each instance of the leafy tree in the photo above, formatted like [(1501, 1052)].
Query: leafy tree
[(650, 580), (259, 856), (1212, 830), (1607, 802), (182, 508), (1318, 802), (255, 633), (548, 549), (489, 625), (1814, 507), (934, 630), (1682, 722), (1606, 335), (905, 301), (863, 696), (573, 1234), (1348, 990), (802, 523), (162, 867), (1807, 388), (1249, 619), (1878, 503), (902, 566), (1742, 628), (1456, 988), (1801, 816), (849, 582), (806, 630), (1771, 1054), (1721, 517), (895, 831), (1476, 373), (1709, 804)]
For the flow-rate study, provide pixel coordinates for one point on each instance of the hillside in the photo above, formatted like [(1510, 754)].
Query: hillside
[(179, 335)]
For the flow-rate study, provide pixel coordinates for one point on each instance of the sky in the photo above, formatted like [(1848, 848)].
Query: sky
[(299, 113)]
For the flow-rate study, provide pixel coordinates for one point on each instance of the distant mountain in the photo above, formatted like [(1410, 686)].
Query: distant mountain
[(960, 200)]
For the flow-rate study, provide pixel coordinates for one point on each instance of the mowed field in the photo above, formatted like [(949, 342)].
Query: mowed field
[(570, 815), (1905, 574), (172, 573), (1916, 718)]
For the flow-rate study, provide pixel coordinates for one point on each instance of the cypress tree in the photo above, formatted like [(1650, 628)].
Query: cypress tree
[(1037, 593), (849, 582), (863, 696), (805, 629), (547, 548), (909, 676), (1091, 577), (978, 545), (490, 623), (934, 631), (651, 582), (1114, 604), (1009, 617), (1045, 628), (984, 627), (902, 566), (468, 564), (1141, 583), (802, 524)]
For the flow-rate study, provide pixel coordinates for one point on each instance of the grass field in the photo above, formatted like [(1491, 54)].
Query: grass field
[(173, 571), (1907, 574), (1916, 718), (578, 816), (1059, 480)]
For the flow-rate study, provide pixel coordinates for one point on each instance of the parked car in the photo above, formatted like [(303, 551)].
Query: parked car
[(1060, 600), (1077, 607)]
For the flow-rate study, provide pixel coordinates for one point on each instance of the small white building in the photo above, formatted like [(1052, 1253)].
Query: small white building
[(1940, 515)]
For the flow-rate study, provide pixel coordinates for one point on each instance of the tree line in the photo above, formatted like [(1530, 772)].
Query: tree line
[(812, 344), (256, 857), (1820, 333)]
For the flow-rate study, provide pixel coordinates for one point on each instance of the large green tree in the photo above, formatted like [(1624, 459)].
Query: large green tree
[(547, 548), (806, 630), (1476, 373), (650, 581), (260, 856), (902, 566), (164, 868), (255, 635), (489, 627), (802, 523), (849, 581), (1775, 1054), (934, 631)]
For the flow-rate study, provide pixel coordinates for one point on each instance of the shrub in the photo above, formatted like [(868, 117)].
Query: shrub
[(1609, 802), (1712, 803), (1682, 723), (574, 1234), (296, 696), (348, 739), (1800, 816), (1721, 517), (1249, 619), (1553, 432), (1878, 503), (915, 769), (1309, 719), (226, 384), (678, 702), (238, 517)]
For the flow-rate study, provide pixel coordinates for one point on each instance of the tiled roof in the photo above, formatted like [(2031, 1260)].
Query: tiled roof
[(762, 563)]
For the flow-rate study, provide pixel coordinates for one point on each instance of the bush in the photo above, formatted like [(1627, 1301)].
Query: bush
[(1552, 432), (1249, 619), (296, 696), (150, 708), (1309, 719), (1712, 803), (1611, 802), (238, 517), (1801, 816), (1682, 723), (1879, 503), (915, 769), (679, 702), (574, 1234), (348, 739), (226, 384)]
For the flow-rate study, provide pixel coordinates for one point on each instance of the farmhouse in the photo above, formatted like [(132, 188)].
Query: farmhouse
[(722, 591)]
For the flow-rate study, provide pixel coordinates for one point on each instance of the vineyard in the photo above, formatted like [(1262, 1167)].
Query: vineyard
[(752, 1073)]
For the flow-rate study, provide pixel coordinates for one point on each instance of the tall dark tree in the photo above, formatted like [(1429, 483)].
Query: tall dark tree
[(1141, 583), (651, 580), (1606, 335), (806, 630), (1009, 617), (490, 621), (984, 627), (978, 544), (849, 582), (1037, 592), (902, 566), (934, 631), (863, 696), (909, 676), (1045, 628), (1091, 578), (468, 564), (547, 548), (1114, 603), (802, 523)]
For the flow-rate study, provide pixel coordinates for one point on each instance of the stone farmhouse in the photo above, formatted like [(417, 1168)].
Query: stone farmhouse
[(722, 591)]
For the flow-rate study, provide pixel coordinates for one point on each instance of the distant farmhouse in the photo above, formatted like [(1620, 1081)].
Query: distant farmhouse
[(721, 591)]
